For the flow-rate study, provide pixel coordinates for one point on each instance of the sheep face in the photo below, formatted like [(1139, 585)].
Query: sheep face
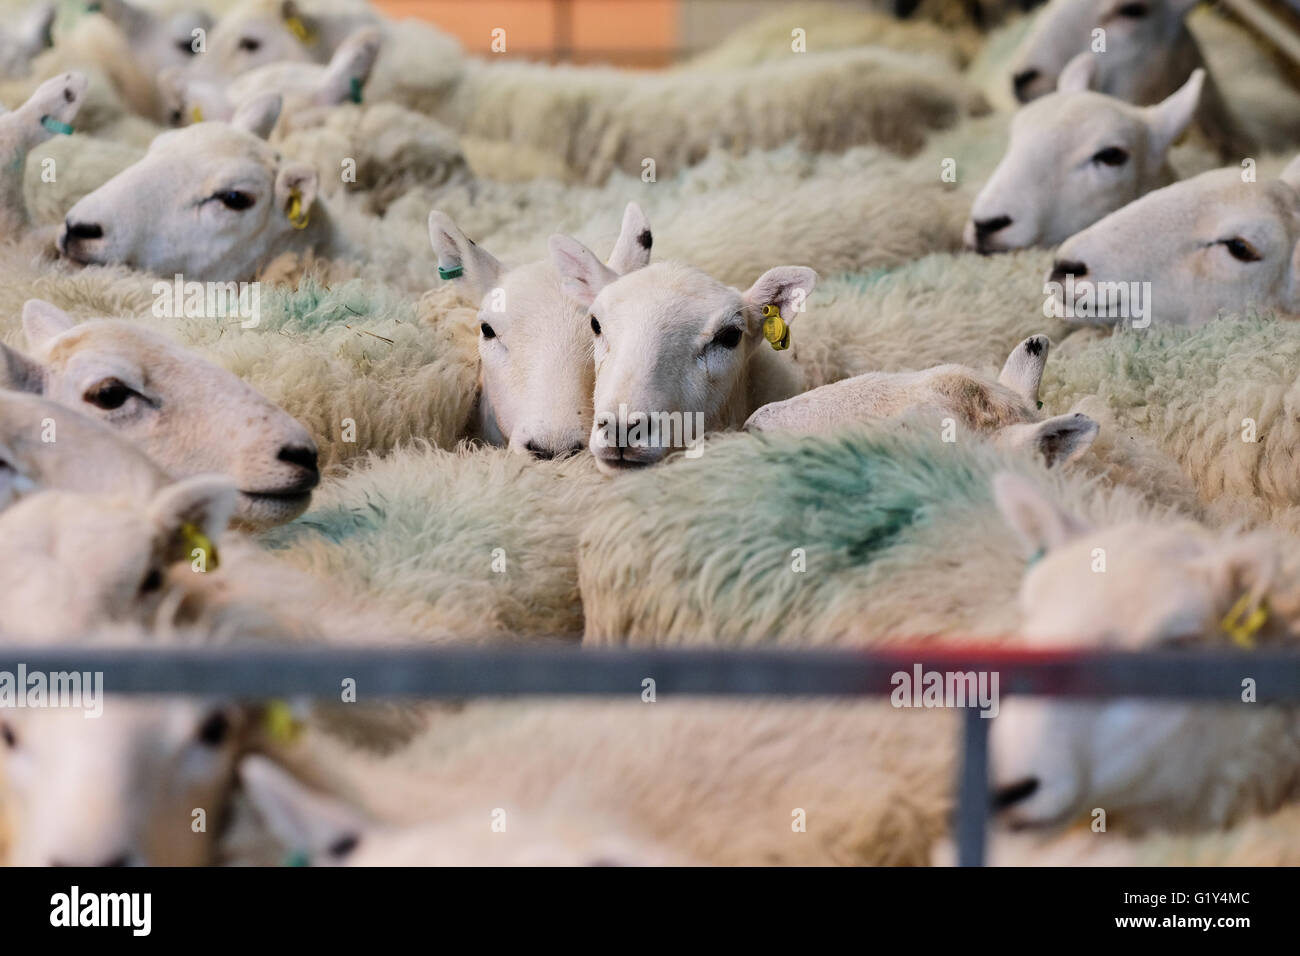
[(1003, 411), (1148, 51), (254, 36), (75, 562), (123, 788), (672, 341), (157, 41), (1075, 156), (211, 202), (1143, 763), (188, 415), (44, 446), (534, 341), (1207, 245)]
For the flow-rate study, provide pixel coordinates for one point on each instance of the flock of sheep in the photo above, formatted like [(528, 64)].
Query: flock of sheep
[(751, 351)]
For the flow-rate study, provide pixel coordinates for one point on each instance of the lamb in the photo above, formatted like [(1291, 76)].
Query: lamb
[(32, 458), (300, 85), (1148, 54), (188, 415), (21, 43), (1005, 409), (536, 373), (671, 340), (1149, 765), (50, 110), (75, 562), (1075, 156), (1219, 242)]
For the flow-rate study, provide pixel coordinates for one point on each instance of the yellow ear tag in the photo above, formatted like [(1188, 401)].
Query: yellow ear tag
[(196, 113), (280, 723), (298, 217), (195, 538), (1243, 632), (300, 30), (775, 330)]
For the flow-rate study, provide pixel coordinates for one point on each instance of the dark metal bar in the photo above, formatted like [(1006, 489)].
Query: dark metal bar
[(972, 789), (422, 672)]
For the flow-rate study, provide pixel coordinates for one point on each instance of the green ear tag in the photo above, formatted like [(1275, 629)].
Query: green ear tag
[(355, 88), (1035, 557), (196, 539), (297, 858), (455, 272), (54, 126)]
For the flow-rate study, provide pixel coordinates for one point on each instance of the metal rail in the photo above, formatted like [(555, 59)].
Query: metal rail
[(386, 672)]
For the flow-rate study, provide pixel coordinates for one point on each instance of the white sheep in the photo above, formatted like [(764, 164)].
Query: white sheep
[(1075, 156), (49, 111), (20, 43), (944, 396), (187, 414), (536, 373)]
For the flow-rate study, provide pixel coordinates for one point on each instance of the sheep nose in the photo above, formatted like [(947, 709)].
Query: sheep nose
[(83, 230), (303, 457), (1013, 793), (121, 859), (1067, 267), (987, 227), (1021, 83), (542, 452), (537, 451)]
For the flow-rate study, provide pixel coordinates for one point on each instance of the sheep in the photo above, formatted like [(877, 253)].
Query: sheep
[(1146, 53), (626, 783), (188, 415), (300, 85), (31, 456), (602, 120), (818, 540), (1219, 242), (1075, 156), (1006, 409), (76, 561), (157, 42), (50, 110), (1149, 765), (671, 340), (536, 371), (21, 43)]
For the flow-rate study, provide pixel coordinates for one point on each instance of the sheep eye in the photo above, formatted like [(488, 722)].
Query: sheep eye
[(1134, 11), (10, 739), (1111, 156), (232, 199), (108, 394), (214, 730), (487, 330), (344, 845), (152, 582), (595, 326), (728, 338), (1242, 250), (250, 44)]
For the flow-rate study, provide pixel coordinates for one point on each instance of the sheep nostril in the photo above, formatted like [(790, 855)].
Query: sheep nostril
[(84, 230), (1068, 267), (122, 859), (1021, 82), (987, 227), (299, 455), (577, 448), (537, 451), (1011, 794)]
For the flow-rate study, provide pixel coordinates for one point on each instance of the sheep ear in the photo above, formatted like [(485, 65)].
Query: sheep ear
[(459, 257), (1063, 439), (1035, 519), (43, 322), (296, 185), (1291, 174), (582, 275), (304, 820), (632, 251), (1169, 118), (349, 68), (259, 115), (35, 30), (203, 504), (20, 373), (1023, 371), (1078, 74), (786, 287)]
